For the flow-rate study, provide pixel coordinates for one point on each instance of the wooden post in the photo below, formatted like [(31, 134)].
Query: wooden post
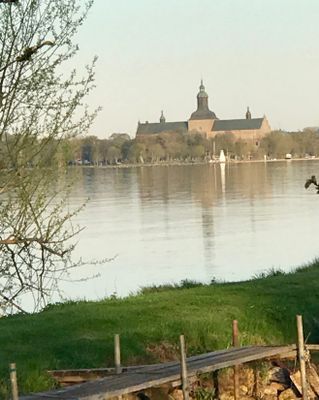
[(14, 383), (236, 367), (117, 354), (216, 384), (301, 354), (256, 383), (235, 333), (183, 368)]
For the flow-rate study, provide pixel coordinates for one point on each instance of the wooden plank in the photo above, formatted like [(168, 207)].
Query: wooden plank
[(71, 377), (291, 355), (297, 381), (111, 370), (240, 359), (313, 379), (312, 347), (101, 372), (142, 379)]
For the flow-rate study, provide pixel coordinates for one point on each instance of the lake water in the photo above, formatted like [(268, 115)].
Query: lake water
[(200, 222)]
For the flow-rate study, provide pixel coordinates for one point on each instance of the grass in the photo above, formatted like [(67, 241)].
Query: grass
[(80, 334)]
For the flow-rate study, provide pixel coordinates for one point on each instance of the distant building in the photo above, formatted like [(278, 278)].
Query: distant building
[(205, 122)]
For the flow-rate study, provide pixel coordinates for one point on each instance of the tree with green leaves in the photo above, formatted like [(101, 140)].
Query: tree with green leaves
[(40, 106)]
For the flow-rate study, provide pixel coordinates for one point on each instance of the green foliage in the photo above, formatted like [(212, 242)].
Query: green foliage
[(268, 273), (184, 284), (299, 144), (80, 334), (186, 147), (202, 393)]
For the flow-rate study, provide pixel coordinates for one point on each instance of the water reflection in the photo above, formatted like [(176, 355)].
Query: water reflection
[(197, 222), (222, 175), (208, 235)]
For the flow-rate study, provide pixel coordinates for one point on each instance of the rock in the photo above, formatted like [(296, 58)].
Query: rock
[(177, 394), (243, 389), (280, 387), (288, 394), (270, 391), (296, 379), (226, 396), (248, 378)]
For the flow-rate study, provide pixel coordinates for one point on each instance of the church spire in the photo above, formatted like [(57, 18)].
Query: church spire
[(202, 87), (202, 97), (202, 92), (202, 112), (162, 118), (248, 114)]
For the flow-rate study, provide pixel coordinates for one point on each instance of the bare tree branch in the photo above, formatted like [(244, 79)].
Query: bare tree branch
[(39, 108)]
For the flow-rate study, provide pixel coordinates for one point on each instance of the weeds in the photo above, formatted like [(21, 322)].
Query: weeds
[(202, 393), (184, 284), (269, 273)]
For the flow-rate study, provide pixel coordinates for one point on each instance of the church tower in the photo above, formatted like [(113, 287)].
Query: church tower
[(203, 118), (202, 112)]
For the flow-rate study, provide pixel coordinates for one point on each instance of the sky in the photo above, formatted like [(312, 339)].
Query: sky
[(152, 54)]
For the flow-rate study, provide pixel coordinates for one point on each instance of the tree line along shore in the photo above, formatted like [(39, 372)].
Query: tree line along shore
[(185, 147), (79, 334)]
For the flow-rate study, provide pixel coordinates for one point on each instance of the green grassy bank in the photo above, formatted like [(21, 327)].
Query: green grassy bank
[(80, 334)]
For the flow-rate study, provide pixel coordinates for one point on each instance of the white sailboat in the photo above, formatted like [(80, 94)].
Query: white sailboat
[(222, 157)]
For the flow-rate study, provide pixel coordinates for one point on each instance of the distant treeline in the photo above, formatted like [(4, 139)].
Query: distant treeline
[(177, 146)]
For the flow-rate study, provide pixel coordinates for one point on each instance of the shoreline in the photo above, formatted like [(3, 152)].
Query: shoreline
[(180, 163)]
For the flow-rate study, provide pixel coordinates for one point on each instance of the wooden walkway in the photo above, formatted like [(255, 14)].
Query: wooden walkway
[(139, 379)]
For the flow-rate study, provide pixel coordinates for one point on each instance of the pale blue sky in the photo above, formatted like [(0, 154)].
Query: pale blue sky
[(152, 54)]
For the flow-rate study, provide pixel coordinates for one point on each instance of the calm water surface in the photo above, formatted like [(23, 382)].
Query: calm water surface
[(201, 222)]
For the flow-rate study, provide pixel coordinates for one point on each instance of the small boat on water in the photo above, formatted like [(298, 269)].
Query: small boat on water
[(222, 157)]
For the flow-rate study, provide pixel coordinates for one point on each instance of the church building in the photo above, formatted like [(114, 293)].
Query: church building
[(205, 122)]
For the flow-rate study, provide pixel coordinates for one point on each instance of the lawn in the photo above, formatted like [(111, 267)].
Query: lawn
[(80, 334)]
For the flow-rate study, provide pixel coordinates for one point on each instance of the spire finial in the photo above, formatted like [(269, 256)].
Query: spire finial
[(248, 113), (202, 87)]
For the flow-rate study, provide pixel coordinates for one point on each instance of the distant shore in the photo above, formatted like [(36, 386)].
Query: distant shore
[(183, 163)]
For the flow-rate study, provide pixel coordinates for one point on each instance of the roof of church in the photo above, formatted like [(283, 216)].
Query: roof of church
[(158, 127), (237, 124), (203, 114)]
